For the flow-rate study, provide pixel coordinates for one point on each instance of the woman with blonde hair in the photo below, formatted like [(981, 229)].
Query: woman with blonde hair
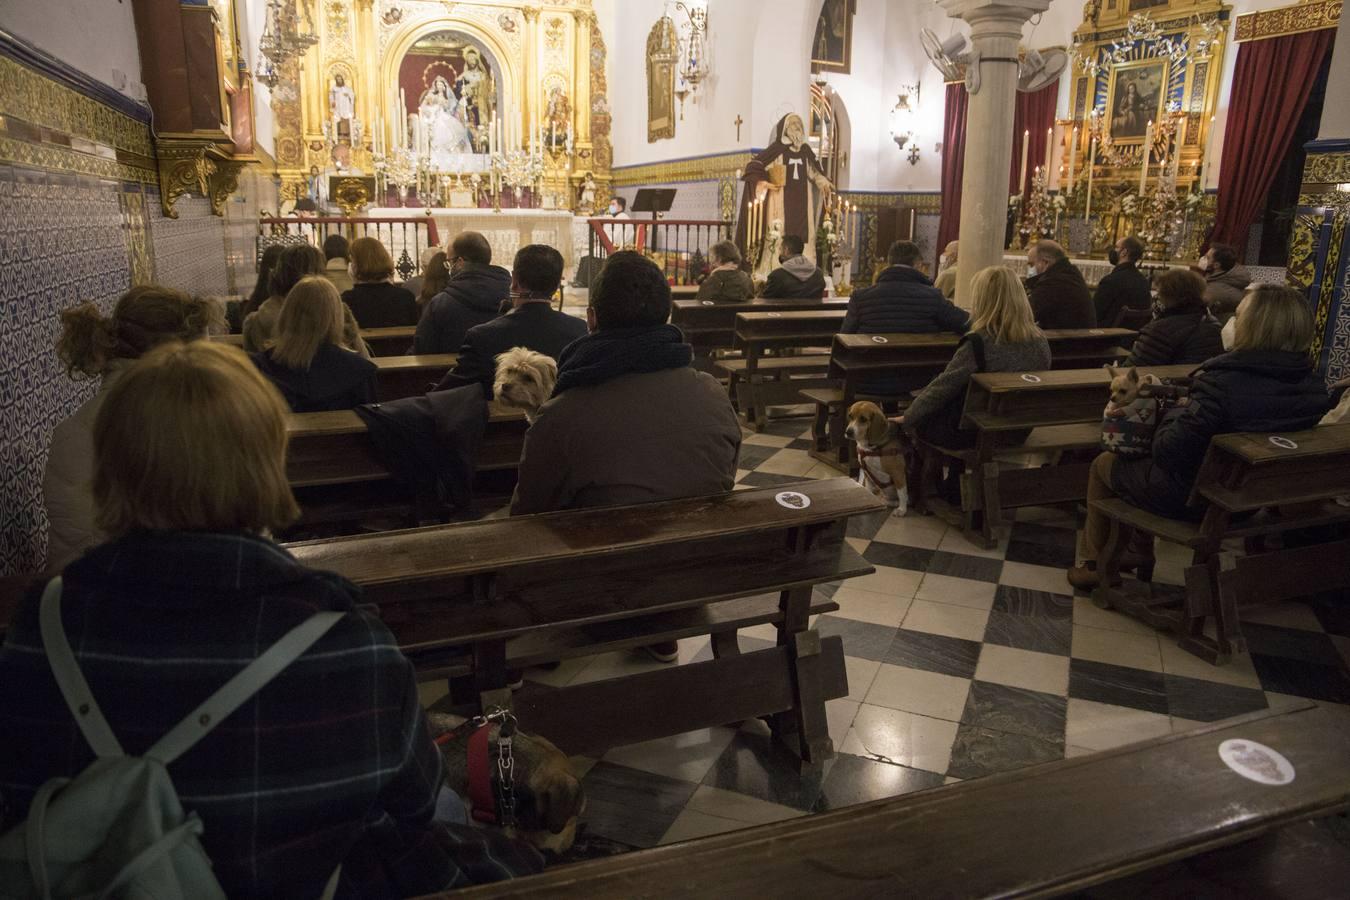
[(374, 298), (1003, 337), (1266, 383), (306, 360), (93, 345), (189, 478), (727, 282), (295, 262)]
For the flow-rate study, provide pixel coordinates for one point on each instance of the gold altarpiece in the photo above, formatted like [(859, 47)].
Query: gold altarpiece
[(533, 49)]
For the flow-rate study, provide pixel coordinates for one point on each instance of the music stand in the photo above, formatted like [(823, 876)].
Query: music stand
[(654, 200)]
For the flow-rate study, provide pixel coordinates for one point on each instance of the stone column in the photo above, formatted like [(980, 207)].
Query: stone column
[(996, 29)]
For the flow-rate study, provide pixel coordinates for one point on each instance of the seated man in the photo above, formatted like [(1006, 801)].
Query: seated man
[(473, 296), (336, 253), (1125, 287), (796, 276), (1226, 281), (630, 421), (1059, 296), (532, 321)]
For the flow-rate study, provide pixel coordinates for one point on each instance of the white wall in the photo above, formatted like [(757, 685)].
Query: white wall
[(98, 37), (1335, 116), (251, 19)]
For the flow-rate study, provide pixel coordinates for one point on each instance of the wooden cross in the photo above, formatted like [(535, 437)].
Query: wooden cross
[(738, 123)]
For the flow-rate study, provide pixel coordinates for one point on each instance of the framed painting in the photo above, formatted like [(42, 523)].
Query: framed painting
[(832, 44), (1135, 98), (661, 81)]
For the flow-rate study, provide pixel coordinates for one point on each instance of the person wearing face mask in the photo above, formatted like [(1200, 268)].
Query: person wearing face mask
[(1226, 282), (619, 235), (1059, 296), (796, 276), (473, 296), (1125, 287), (1182, 332), (336, 254)]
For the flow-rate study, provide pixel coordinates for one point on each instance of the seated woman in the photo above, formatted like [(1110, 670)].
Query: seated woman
[(96, 346), (1267, 383), (374, 299), (946, 276), (1003, 337), (435, 276), (307, 361), (262, 287), (1182, 330), (727, 282), (296, 262), (330, 763)]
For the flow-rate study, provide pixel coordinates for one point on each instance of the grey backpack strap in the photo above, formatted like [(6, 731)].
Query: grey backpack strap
[(236, 692), (70, 679)]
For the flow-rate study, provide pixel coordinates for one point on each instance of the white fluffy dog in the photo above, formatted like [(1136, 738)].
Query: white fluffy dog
[(524, 380)]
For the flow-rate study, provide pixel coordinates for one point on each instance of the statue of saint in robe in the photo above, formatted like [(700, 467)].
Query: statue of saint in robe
[(787, 176), (341, 108)]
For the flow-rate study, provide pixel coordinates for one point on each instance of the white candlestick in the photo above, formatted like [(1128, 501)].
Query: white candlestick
[(1073, 156), (1049, 148), (1022, 174), (1148, 152), (1209, 145), (1092, 165)]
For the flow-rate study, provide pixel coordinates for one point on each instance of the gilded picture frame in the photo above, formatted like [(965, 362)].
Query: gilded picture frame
[(1136, 96), (662, 47), (832, 42)]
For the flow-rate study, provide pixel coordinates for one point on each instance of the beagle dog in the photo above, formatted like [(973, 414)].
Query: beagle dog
[(881, 458)]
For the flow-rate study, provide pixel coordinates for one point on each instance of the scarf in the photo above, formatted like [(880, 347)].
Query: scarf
[(605, 355)]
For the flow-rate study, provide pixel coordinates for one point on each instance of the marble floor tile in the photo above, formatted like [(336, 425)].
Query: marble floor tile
[(957, 591), (962, 565), (858, 544), (1334, 616), (861, 673), (1291, 643), (1039, 633), (1085, 612), (776, 441), (881, 553), (691, 824), (714, 801), (933, 653), (788, 462), (855, 779), (686, 757), (769, 479), (628, 662), (1209, 701), (1315, 681), (1238, 671), (634, 807), (1117, 685), (917, 691), (1028, 602), (905, 739), (866, 526), (978, 751), (1056, 532), (868, 606), (1290, 614), (820, 470), (1059, 556), (1014, 710), (861, 639), (887, 580), (753, 456), (1101, 726), (562, 676), (1117, 648), (1045, 672), (839, 716), (791, 427), (955, 541), (1038, 578), (1045, 515), (1070, 751), (755, 765), (946, 619), (913, 531)]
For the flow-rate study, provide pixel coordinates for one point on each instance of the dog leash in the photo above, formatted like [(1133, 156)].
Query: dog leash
[(863, 455), (492, 800)]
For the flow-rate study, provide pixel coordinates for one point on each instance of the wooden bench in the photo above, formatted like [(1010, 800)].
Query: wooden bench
[(1251, 486), (474, 599), (1061, 409), (1049, 830), (395, 341), (760, 333), (711, 327), (398, 377)]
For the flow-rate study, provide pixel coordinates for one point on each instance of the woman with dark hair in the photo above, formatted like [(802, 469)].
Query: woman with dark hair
[(1182, 331), (262, 288), (296, 262), (435, 276)]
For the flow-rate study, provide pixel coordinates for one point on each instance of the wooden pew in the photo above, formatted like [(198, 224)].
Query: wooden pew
[(710, 326), (474, 599), (1049, 830), (1063, 411), (1293, 479), (396, 341), (410, 376), (758, 382)]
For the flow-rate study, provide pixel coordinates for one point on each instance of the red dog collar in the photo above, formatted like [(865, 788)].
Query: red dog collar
[(482, 798)]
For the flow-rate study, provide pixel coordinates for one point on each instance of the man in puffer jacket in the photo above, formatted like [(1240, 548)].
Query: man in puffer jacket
[(473, 296), (796, 278)]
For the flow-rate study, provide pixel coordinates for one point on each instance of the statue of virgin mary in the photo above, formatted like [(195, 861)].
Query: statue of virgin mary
[(439, 110), (788, 177)]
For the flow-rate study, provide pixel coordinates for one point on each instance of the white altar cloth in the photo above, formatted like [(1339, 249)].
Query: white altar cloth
[(506, 231)]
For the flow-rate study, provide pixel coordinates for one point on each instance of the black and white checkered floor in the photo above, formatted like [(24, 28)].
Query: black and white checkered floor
[(962, 662)]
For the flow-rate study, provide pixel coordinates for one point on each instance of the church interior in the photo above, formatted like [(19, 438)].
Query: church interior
[(664, 447)]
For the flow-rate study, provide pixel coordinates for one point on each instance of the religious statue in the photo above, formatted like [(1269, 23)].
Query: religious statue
[(478, 100), (586, 203), (557, 118), (788, 178), (445, 133), (341, 108)]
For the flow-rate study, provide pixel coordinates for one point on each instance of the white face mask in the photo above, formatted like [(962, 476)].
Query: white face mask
[(942, 261), (1031, 271), (614, 209)]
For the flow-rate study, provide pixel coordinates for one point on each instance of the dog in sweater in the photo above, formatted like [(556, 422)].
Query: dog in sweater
[(881, 458)]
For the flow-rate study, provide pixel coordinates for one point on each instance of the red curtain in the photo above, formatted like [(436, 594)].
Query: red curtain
[(1033, 112), (953, 161), (1271, 84)]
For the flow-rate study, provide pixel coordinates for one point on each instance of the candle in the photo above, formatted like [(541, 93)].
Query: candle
[(912, 213), (1148, 152), (1073, 156), (1049, 148), (1209, 144), (1092, 164), (1022, 175)]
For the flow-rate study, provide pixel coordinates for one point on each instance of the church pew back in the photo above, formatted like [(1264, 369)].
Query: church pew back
[(395, 341)]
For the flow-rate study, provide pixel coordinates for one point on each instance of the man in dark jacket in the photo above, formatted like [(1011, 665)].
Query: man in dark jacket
[(473, 296), (1183, 332), (1125, 287), (796, 277), (532, 321), (1059, 296), (1226, 281)]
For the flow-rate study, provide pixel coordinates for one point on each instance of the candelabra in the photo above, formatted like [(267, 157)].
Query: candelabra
[(398, 168), (1035, 222)]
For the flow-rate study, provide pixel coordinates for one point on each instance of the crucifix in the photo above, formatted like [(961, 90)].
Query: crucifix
[(738, 123)]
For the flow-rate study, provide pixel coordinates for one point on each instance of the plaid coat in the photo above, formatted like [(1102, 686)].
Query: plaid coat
[(330, 763)]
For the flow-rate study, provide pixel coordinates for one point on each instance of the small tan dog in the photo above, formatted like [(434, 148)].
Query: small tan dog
[(881, 459), (1125, 386), (524, 380)]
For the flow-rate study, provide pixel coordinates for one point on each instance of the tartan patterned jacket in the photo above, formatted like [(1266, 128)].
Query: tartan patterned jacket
[(330, 763)]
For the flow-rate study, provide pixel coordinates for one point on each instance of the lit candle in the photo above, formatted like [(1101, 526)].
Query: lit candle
[(912, 213), (1049, 148), (1176, 157), (1073, 156), (1147, 154), (1209, 145), (1022, 175), (1092, 164)]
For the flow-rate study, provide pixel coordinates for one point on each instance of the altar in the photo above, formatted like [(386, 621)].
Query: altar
[(506, 231)]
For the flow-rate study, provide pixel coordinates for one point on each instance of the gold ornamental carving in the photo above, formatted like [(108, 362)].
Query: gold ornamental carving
[(224, 182), (184, 168), (352, 196), (1303, 250), (1271, 23), (1327, 168)]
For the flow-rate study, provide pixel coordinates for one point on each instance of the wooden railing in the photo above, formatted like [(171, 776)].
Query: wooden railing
[(679, 246), (404, 237)]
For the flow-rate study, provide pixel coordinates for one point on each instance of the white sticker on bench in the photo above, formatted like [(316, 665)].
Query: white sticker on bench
[(878, 339), (1095, 331), (792, 500), (1256, 762), (1032, 379), (774, 315), (709, 303), (1283, 442)]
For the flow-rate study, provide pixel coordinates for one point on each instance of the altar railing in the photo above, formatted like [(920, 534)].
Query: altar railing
[(677, 245), (404, 237)]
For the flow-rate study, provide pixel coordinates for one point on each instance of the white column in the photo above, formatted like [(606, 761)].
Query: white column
[(996, 29)]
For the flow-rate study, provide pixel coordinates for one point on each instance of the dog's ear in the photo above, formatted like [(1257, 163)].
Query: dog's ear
[(1115, 373), (878, 429), (1132, 374), (559, 802), (547, 370)]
